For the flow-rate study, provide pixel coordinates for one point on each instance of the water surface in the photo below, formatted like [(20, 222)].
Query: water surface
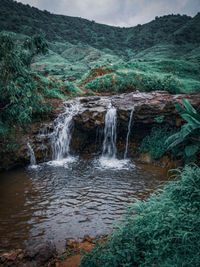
[(55, 202)]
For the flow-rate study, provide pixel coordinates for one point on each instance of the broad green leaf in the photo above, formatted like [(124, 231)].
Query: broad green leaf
[(190, 119), (189, 107)]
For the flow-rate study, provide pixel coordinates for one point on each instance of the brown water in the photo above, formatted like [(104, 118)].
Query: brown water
[(56, 202)]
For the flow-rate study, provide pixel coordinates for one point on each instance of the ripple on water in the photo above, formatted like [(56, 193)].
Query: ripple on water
[(68, 199)]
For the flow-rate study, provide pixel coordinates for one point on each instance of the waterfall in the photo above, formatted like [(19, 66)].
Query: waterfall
[(128, 133), (108, 158), (32, 155), (110, 134), (61, 136)]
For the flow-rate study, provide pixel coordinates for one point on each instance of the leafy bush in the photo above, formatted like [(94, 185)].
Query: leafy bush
[(72, 89), (163, 231), (155, 143), (126, 80), (189, 135), (23, 92), (153, 82), (19, 97)]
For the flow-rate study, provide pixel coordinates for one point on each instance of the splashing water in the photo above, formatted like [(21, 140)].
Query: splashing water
[(32, 156), (108, 159), (110, 133), (61, 136), (128, 134)]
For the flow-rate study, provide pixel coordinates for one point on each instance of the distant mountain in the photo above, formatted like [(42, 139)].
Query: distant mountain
[(21, 18), (190, 32), (76, 45)]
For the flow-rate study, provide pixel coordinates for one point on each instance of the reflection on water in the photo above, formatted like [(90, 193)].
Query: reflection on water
[(58, 202)]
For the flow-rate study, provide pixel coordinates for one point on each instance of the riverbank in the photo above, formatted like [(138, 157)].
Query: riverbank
[(45, 255)]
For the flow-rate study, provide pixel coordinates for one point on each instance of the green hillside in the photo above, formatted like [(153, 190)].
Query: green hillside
[(78, 45), (29, 20)]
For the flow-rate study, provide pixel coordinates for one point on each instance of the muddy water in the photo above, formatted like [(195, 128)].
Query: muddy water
[(58, 202)]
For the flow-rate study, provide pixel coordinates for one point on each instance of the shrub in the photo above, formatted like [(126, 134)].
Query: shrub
[(189, 136), (72, 89), (155, 143), (19, 97), (126, 80)]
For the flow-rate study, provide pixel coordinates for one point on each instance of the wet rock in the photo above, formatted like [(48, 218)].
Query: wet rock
[(89, 99), (12, 255), (147, 106), (27, 264), (88, 130), (145, 158), (72, 244), (164, 162), (42, 252), (88, 239)]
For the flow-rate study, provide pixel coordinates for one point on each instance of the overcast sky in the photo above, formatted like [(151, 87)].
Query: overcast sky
[(117, 12)]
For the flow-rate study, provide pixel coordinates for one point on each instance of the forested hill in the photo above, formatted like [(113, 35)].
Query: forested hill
[(23, 19)]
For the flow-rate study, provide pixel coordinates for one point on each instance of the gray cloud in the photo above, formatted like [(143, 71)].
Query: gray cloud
[(117, 12)]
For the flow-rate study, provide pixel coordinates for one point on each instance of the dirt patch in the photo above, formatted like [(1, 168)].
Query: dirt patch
[(74, 251)]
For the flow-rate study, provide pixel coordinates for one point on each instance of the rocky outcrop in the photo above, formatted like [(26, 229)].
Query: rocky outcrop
[(149, 109), (87, 136)]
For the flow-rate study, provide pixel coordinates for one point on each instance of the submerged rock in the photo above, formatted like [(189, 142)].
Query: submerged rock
[(38, 255), (41, 253)]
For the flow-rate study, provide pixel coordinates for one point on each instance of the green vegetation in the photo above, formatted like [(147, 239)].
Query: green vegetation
[(155, 143), (163, 54), (29, 20), (163, 231), (183, 144), (20, 97), (174, 76), (187, 140), (25, 94)]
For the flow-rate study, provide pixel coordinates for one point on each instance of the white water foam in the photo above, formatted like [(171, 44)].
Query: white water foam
[(114, 163), (63, 162)]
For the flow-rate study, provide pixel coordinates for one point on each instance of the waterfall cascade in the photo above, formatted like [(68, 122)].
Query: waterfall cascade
[(128, 133), (61, 137), (110, 133), (32, 155), (108, 158)]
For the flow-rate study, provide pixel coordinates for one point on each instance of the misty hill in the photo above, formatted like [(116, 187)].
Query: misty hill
[(77, 45), (21, 18)]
